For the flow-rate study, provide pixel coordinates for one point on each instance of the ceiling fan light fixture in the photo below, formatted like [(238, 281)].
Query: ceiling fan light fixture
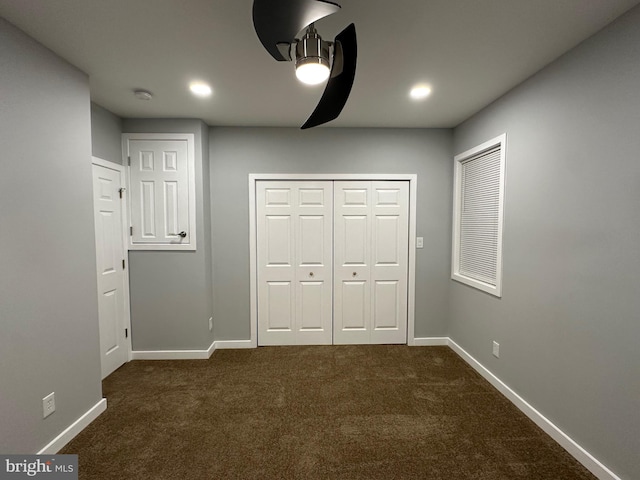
[(279, 23), (312, 58), (312, 73)]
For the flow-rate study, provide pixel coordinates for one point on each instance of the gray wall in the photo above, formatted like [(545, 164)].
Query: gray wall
[(48, 301), (236, 152), (171, 291), (568, 323), (106, 134)]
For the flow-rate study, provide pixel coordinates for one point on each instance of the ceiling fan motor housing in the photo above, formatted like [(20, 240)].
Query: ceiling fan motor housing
[(312, 49), (277, 24)]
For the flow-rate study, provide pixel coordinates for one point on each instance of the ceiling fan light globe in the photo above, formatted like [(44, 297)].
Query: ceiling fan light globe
[(312, 72)]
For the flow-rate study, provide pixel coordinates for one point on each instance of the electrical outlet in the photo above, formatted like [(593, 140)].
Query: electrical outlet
[(496, 349), (419, 242), (48, 405), (211, 324)]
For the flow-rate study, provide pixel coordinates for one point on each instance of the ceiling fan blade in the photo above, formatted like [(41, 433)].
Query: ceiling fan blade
[(343, 72), (278, 21)]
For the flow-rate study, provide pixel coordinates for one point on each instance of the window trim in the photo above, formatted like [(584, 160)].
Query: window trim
[(501, 142)]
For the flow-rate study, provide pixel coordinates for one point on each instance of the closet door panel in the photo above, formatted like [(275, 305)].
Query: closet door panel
[(371, 261), (314, 254), (352, 269), (332, 262), (276, 263), (294, 254), (389, 270)]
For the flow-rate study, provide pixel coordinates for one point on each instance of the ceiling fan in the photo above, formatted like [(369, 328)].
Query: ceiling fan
[(277, 22)]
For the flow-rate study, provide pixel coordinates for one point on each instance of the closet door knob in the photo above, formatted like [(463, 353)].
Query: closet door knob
[(355, 274), (311, 274)]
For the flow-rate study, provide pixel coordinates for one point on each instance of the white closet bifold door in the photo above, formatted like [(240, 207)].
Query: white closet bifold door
[(294, 256), (371, 225)]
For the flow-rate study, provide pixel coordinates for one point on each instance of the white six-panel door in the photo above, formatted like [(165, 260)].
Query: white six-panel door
[(110, 259), (159, 191), (307, 296), (294, 261), (371, 230)]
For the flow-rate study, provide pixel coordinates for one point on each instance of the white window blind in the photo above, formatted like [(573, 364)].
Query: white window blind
[(478, 215)]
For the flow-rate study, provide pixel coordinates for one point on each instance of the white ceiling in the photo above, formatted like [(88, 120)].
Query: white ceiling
[(469, 51)]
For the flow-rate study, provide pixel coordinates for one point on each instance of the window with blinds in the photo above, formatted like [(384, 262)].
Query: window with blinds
[(478, 214)]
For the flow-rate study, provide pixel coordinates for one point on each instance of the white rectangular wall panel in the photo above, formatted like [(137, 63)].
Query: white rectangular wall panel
[(311, 240), (170, 161), (278, 238), (279, 315), (109, 334), (354, 196), (108, 229), (354, 237), (146, 162), (171, 207), (386, 305), (148, 210), (354, 308), (277, 197), (388, 237), (311, 197), (310, 302), (162, 184)]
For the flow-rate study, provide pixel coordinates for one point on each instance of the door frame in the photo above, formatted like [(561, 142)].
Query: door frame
[(253, 267), (125, 242)]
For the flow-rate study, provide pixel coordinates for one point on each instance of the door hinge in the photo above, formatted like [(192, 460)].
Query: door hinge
[(131, 231), (121, 191), (123, 264), (129, 160), (126, 333)]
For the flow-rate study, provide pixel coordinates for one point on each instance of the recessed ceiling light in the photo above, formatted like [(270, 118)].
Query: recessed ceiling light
[(200, 89), (142, 94), (420, 92)]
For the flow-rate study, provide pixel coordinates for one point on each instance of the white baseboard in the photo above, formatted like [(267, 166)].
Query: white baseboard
[(174, 354), (74, 429), (226, 344), (190, 354), (579, 453), (430, 341)]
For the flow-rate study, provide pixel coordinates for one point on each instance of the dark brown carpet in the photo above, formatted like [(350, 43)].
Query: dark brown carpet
[(334, 412)]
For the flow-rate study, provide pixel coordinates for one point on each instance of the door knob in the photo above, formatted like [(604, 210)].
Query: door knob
[(181, 234), (311, 274), (354, 274)]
